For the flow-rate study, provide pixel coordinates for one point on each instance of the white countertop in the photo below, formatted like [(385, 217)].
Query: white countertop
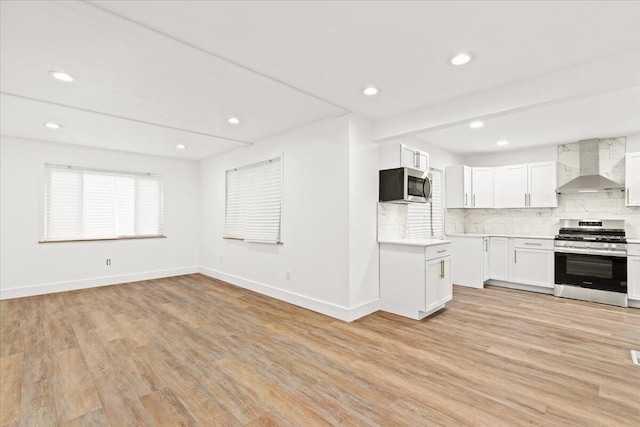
[(633, 240), (518, 236), (416, 242)]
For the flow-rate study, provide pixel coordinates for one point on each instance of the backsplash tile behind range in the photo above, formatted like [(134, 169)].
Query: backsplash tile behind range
[(545, 221)]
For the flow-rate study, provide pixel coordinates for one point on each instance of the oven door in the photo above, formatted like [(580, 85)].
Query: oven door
[(604, 272)]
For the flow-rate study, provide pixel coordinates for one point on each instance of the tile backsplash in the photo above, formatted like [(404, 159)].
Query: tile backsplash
[(545, 221)]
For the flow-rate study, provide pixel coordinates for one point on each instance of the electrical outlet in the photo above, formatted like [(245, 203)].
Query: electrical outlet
[(108, 261), (288, 275)]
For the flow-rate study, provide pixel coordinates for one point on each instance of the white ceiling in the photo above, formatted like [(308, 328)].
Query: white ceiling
[(153, 74), (606, 115)]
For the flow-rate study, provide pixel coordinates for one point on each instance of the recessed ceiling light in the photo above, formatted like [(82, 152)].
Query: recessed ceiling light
[(62, 76), (233, 120), (52, 125), (461, 58), (476, 125), (181, 146), (502, 142), (370, 90)]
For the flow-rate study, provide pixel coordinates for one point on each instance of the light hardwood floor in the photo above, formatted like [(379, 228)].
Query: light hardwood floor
[(194, 351)]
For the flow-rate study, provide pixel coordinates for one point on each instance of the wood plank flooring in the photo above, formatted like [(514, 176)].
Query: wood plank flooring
[(195, 351)]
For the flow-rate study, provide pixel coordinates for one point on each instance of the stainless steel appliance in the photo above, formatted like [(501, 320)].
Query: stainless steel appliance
[(591, 261), (404, 185)]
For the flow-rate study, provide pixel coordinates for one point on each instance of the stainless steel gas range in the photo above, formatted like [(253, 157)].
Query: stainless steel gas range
[(591, 261)]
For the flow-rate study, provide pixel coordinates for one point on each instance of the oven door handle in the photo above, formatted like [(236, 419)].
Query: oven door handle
[(579, 251)]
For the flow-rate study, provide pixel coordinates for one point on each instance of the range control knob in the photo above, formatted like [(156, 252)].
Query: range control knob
[(606, 245), (613, 246)]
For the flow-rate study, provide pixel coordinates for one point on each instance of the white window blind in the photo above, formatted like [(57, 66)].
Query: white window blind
[(254, 202), (93, 204), (436, 208), (426, 220)]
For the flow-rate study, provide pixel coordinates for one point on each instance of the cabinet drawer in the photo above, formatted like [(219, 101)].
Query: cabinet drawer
[(438, 251), (633, 249), (534, 243)]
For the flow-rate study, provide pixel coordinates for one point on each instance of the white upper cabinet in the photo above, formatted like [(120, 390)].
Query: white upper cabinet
[(526, 186), (542, 185), (400, 155), (632, 181), (468, 187), (510, 186), (413, 158), (482, 187)]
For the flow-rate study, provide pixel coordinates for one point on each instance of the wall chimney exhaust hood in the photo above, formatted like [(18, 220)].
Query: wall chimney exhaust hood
[(590, 180)]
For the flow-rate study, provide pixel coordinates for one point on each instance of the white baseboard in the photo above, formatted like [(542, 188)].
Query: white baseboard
[(520, 287), (323, 307), (634, 303), (49, 288)]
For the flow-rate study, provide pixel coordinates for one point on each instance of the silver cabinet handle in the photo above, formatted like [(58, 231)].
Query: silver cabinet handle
[(533, 244), (529, 199), (442, 269), (525, 199), (486, 245), (474, 200), (444, 250), (465, 198), (515, 256)]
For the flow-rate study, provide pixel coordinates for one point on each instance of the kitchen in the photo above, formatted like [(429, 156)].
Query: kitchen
[(561, 247), (192, 226)]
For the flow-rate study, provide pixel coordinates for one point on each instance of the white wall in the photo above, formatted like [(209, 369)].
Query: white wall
[(30, 268), (529, 155), (363, 195), (315, 221)]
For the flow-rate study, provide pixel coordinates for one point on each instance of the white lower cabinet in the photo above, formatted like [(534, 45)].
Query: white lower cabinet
[(415, 281), (474, 250), (438, 287), (633, 272), (533, 267), (499, 258), (522, 261), (486, 274)]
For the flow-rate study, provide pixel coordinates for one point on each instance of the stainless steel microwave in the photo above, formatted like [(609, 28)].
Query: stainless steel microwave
[(404, 185)]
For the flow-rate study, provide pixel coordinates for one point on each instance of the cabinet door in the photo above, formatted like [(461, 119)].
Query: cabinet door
[(485, 255), (408, 157), (466, 186), (423, 161), (445, 287), (542, 185), (632, 195), (510, 186), (432, 291), (499, 258), (533, 267), (633, 273), (482, 187)]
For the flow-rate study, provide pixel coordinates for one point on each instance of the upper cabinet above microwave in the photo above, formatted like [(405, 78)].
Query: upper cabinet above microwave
[(403, 156)]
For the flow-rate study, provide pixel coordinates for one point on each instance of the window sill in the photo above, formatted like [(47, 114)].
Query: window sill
[(103, 240), (242, 240)]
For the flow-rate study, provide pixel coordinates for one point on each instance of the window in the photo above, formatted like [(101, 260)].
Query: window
[(253, 202), (93, 204), (426, 220)]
